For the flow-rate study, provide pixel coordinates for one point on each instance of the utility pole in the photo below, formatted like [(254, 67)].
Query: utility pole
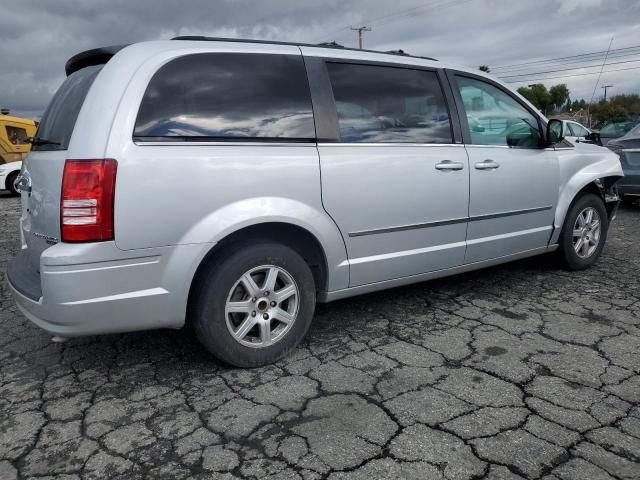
[(364, 28), (605, 91)]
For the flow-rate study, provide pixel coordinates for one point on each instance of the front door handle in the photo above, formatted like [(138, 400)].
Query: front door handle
[(449, 165), (487, 165)]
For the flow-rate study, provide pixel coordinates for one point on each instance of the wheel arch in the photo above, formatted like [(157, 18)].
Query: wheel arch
[(294, 236), (604, 187)]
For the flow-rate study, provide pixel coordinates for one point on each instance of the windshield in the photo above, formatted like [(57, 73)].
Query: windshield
[(634, 132), (60, 116)]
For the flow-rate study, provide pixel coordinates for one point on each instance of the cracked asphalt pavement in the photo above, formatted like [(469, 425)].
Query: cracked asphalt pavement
[(519, 371)]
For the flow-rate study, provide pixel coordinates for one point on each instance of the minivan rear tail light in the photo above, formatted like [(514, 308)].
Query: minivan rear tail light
[(86, 203)]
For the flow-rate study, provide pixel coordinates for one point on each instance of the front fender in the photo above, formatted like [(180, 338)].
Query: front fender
[(248, 212), (580, 167)]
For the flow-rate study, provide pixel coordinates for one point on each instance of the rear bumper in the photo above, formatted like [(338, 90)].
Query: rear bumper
[(88, 289)]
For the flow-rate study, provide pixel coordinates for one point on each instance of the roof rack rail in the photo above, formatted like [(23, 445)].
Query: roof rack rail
[(332, 44)]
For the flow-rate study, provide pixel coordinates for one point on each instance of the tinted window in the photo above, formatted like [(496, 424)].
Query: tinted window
[(228, 96), (569, 130), (17, 135), (60, 116), (578, 130), (388, 104), (496, 118)]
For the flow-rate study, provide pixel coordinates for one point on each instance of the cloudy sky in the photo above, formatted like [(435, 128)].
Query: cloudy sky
[(38, 36)]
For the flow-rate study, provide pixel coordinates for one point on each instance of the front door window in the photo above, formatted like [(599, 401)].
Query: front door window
[(496, 118)]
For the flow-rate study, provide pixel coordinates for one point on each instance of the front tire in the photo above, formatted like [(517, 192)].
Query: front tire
[(584, 232), (254, 305), (10, 183)]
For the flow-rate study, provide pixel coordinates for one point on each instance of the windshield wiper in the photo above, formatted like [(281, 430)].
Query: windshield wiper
[(42, 141)]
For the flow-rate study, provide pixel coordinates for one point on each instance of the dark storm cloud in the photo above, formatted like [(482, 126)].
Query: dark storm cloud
[(37, 37)]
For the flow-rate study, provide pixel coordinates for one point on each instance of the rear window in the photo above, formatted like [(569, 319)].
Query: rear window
[(227, 96), (60, 117)]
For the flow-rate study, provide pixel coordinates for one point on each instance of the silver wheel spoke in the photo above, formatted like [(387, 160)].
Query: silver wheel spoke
[(251, 287), (585, 248), (578, 245), (265, 333), (284, 293), (577, 233), (270, 282), (588, 216), (595, 224), (239, 307), (581, 219), (244, 328), (283, 316)]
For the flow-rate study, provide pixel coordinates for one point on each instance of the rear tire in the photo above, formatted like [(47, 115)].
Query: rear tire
[(254, 305), (584, 232), (10, 183)]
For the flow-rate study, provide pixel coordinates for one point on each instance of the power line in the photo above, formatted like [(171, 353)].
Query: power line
[(565, 69), (598, 81), (569, 62), (564, 58), (527, 80)]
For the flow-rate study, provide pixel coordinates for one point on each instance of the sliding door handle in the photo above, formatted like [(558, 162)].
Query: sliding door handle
[(487, 165), (449, 165)]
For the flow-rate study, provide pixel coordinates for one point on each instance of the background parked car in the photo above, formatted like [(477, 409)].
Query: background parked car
[(615, 130), (628, 147), (8, 174), (575, 132), (14, 138)]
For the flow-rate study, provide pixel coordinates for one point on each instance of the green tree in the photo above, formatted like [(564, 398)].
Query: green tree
[(631, 103), (484, 68), (538, 95), (559, 95), (608, 112), (578, 105)]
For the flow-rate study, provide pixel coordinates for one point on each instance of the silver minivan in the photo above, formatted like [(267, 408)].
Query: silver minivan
[(232, 184)]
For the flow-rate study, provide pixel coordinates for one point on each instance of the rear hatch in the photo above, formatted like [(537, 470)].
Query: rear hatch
[(43, 168)]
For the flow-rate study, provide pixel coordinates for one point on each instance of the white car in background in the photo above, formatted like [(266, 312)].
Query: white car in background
[(575, 132), (8, 174)]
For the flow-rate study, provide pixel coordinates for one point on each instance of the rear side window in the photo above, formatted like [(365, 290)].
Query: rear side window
[(378, 104), (578, 130), (570, 130), (60, 117), (227, 96)]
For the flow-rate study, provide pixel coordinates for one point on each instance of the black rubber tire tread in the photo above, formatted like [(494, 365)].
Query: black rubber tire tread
[(568, 256), (208, 318), (11, 178)]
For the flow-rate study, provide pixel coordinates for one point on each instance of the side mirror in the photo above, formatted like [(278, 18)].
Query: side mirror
[(594, 137), (555, 131)]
